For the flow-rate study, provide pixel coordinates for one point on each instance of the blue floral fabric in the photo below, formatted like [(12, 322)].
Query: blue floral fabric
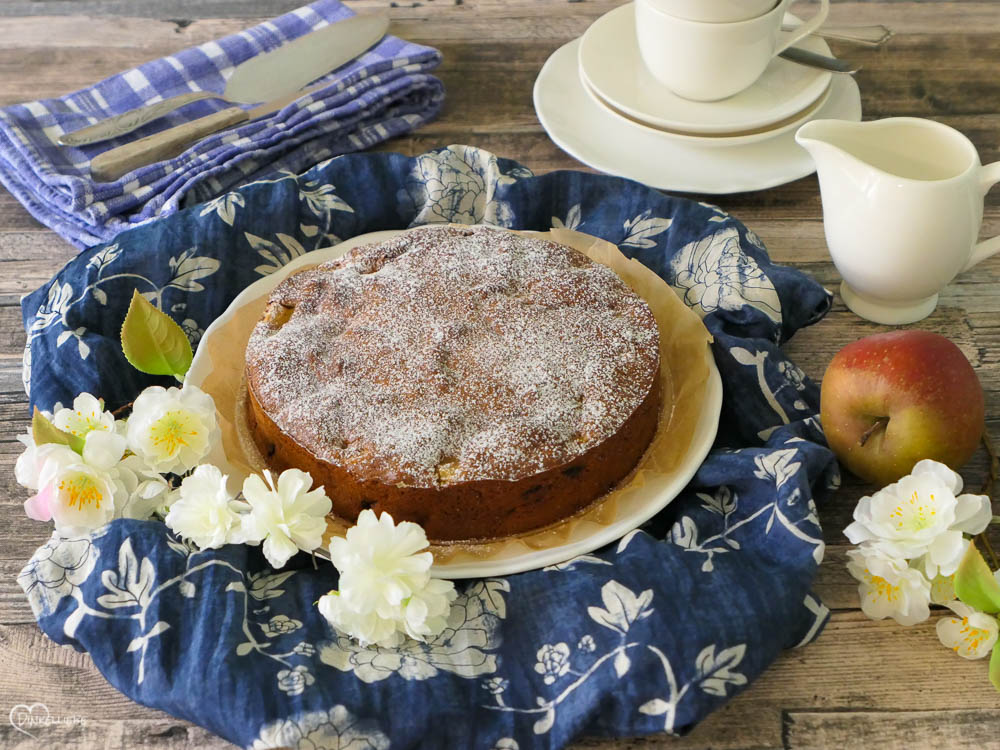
[(646, 635)]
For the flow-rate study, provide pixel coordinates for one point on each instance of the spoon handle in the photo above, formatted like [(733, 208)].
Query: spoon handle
[(815, 60), (870, 36)]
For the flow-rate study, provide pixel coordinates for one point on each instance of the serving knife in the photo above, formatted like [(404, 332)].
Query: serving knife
[(272, 75)]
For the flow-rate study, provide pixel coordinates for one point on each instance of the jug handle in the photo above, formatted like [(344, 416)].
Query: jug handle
[(988, 177), (805, 29)]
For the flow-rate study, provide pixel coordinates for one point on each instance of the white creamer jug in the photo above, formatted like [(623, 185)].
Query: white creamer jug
[(902, 207)]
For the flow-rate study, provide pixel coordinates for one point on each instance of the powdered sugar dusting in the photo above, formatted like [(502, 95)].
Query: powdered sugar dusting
[(453, 354)]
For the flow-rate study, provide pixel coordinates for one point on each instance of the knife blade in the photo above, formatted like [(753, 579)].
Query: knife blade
[(816, 60), (262, 78)]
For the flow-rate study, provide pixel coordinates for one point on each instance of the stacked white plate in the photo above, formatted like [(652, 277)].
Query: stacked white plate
[(598, 102)]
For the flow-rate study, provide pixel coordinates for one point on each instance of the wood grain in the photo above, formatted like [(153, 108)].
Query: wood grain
[(862, 683)]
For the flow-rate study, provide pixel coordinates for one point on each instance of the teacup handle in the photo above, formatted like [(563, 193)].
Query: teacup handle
[(801, 32), (988, 177)]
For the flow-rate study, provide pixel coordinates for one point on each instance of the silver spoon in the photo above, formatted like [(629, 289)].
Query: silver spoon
[(816, 60), (870, 36)]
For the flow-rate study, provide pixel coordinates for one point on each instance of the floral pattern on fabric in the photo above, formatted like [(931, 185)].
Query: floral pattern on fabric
[(607, 642)]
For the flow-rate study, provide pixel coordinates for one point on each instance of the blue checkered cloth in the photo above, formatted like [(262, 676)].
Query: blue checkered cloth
[(385, 92)]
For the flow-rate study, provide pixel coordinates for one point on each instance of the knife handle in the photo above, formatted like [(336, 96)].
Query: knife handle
[(166, 144), (126, 122)]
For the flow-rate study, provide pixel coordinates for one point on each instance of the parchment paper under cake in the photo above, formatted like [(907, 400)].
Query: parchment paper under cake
[(685, 369)]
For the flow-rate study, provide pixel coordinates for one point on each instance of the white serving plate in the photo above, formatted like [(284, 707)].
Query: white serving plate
[(609, 143), (610, 63), (630, 513)]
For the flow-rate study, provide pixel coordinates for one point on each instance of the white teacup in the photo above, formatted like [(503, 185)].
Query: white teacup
[(710, 61), (714, 11)]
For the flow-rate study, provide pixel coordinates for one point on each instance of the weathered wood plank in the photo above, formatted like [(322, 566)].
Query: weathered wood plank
[(72, 732), (862, 682), (904, 17), (895, 730)]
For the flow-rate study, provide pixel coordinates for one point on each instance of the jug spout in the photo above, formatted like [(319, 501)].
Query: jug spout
[(849, 160), (833, 145), (830, 132)]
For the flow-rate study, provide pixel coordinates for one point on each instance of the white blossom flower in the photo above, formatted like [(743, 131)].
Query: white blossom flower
[(971, 635), (78, 493), (148, 492), (380, 563), (103, 450), (425, 612), (172, 429), (205, 512), (889, 587), (385, 587), (367, 628), (82, 492), (87, 414), (75, 496), (286, 515), (920, 516), (28, 467)]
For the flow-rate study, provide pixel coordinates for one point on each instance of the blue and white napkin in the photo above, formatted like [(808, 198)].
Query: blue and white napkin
[(649, 634), (385, 92)]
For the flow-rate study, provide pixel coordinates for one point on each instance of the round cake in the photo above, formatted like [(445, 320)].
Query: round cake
[(476, 381)]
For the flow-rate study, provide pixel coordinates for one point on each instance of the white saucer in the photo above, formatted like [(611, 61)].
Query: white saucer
[(611, 65), (617, 146), (722, 140), (632, 511)]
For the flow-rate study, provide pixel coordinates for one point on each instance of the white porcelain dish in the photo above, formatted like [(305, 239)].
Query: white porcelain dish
[(611, 65), (721, 140), (630, 514), (608, 143)]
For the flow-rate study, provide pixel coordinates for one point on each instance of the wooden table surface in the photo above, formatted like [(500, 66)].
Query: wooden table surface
[(863, 683)]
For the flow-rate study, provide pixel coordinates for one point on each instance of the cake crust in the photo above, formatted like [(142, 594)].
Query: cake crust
[(476, 381)]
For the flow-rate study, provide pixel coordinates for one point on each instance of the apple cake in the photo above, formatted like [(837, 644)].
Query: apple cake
[(479, 382)]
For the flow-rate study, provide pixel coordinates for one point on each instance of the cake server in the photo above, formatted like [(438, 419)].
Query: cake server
[(262, 78)]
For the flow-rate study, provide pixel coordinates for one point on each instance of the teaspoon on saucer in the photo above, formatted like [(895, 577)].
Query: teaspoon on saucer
[(816, 60)]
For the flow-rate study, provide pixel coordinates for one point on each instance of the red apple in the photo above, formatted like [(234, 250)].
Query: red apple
[(892, 399)]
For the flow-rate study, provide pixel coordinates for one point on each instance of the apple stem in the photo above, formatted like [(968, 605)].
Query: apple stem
[(879, 424)]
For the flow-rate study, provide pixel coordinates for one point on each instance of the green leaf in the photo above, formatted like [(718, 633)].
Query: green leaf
[(995, 666), (43, 431), (975, 584), (152, 342)]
